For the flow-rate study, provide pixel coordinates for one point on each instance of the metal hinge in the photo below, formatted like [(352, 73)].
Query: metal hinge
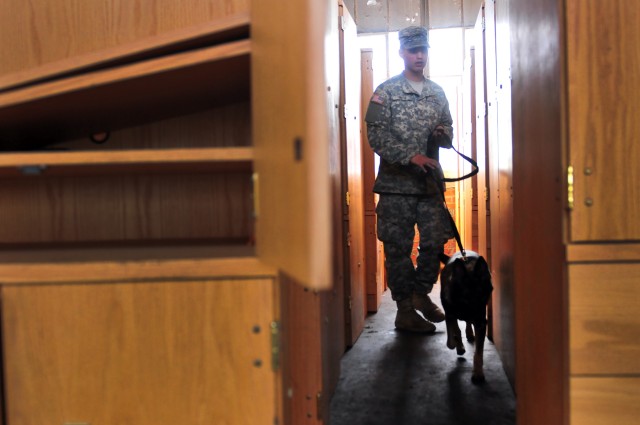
[(342, 21), (483, 24), (347, 198), (570, 196), (275, 346)]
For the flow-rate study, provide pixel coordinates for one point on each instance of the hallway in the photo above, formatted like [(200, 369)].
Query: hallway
[(394, 378)]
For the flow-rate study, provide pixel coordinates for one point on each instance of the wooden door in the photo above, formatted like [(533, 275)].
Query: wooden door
[(291, 134), (491, 153), (482, 140), (353, 212), (313, 337), (482, 149), (602, 150), (374, 281), (502, 174), (332, 314), (498, 82), (189, 351), (469, 187)]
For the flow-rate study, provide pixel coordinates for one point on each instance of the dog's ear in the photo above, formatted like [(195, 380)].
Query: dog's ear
[(444, 258), (481, 268)]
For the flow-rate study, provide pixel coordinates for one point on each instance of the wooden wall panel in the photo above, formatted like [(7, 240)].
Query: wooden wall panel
[(603, 69), (41, 31), (604, 300), (596, 401), (148, 353), (537, 85), (302, 374)]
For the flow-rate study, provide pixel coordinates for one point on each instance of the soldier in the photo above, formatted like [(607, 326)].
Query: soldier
[(408, 120)]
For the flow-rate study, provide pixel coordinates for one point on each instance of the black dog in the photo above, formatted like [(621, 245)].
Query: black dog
[(465, 291)]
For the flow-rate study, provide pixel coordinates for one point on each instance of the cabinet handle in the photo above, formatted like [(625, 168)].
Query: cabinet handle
[(297, 149), (256, 193), (570, 198)]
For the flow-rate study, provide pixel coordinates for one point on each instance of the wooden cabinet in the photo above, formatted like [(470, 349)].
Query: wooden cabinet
[(576, 192), (163, 171), (603, 230), (195, 352)]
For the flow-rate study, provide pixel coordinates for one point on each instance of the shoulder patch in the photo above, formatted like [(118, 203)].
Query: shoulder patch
[(377, 99), (374, 111)]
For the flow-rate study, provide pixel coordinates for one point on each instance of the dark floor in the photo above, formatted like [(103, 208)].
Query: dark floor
[(395, 378)]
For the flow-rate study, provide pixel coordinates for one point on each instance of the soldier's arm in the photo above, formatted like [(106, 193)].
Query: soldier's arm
[(382, 141), (445, 129)]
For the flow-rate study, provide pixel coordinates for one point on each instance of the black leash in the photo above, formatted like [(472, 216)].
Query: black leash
[(473, 172)]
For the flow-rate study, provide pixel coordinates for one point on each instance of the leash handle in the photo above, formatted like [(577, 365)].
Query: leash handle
[(473, 172)]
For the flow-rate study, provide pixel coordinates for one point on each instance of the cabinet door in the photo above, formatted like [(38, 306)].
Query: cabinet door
[(603, 118), (156, 353), (353, 204), (49, 32), (291, 101)]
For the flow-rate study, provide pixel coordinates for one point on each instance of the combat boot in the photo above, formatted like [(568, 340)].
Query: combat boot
[(407, 319), (423, 303)]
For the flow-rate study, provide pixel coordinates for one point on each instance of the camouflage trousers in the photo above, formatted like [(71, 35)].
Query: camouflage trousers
[(397, 216)]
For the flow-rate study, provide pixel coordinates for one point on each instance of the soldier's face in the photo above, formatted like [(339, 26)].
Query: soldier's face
[(415, 58)]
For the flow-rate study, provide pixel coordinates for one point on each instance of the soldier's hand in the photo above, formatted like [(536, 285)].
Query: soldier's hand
[(439, 131), (440, 138), (424, 162)]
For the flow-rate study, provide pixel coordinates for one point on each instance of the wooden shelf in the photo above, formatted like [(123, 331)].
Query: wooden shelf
[(124, 96), (130, 264), (231, 28), (184, 159)]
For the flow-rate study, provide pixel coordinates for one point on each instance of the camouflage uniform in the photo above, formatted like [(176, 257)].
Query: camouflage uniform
[(399, 122)]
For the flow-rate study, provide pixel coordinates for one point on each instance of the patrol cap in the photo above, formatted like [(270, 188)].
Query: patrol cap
[(411, 37)]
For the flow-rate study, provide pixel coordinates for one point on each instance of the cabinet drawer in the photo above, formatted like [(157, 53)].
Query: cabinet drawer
[(596, 401), (604, 324)]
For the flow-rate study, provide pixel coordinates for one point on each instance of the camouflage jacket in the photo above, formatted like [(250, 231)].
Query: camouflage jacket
[(399, 122)]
